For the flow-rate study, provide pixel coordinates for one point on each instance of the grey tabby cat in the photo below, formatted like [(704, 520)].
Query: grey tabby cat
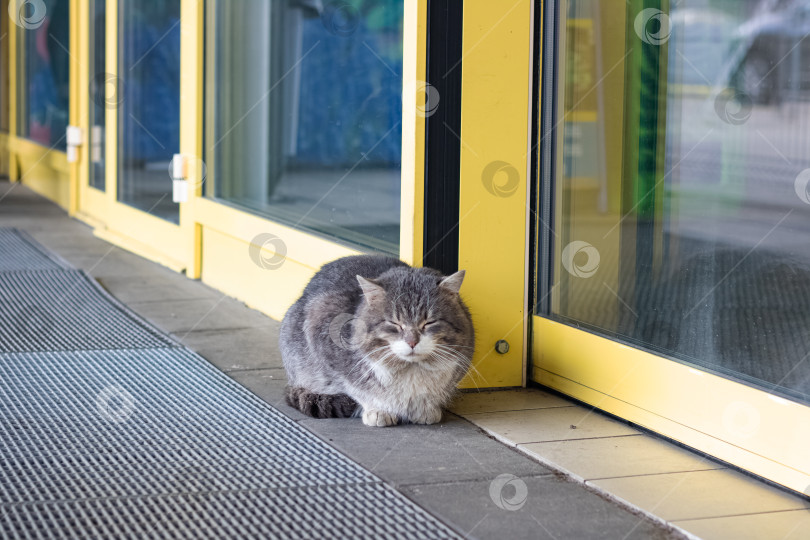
[(372, 334)]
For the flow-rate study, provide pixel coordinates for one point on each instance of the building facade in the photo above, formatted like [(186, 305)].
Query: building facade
[(625, 183)]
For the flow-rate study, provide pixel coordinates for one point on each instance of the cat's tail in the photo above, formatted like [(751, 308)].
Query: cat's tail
[(320, 405)]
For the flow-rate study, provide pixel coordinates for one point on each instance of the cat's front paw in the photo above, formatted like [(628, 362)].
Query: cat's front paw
[(376, 418), (428, 416)]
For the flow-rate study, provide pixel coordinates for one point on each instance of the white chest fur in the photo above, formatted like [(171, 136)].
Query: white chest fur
[(413, 391)]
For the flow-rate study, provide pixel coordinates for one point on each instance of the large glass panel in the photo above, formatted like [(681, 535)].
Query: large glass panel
[(682, 194), (304, 111), (44, 74), (100, 84), (149, 104)]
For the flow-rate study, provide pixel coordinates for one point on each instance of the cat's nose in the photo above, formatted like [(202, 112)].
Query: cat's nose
[(411, 341)]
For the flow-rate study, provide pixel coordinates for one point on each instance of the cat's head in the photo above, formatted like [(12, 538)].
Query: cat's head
[(417, 315)]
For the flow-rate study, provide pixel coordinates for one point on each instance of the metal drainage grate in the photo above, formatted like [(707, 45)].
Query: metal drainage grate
[(110, 429), (135, 442), (18, 251), (340, 511), (63, 310), (164, 413)]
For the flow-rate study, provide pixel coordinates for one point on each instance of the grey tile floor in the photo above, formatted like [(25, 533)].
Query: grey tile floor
[(453, 470)]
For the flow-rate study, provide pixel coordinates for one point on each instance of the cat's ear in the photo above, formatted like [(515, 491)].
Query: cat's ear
[(452, 283), (372, 291)]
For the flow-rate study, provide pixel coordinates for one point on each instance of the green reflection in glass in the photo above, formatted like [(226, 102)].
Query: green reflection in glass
[(682, 203)]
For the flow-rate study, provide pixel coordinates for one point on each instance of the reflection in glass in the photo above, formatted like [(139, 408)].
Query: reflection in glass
[(149, 104), (43, 114), (683, 203), (99, 81), (304, 110)]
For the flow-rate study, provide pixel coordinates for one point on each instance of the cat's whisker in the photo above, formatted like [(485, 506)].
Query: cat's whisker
[(453, 353), (454, 362), (363, 362), (375, 363), (476, 372), (448, 360), (450, 351)]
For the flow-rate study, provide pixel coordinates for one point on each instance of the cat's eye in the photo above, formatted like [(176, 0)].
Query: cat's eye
[(391, 326), (432, 321)]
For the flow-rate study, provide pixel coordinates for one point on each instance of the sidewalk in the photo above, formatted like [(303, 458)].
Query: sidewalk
[(452, 470)]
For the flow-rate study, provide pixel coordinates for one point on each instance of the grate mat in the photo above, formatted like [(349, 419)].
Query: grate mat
[(341, 511), (161, 412), (64, 310), (128, 443), (108, 429), (18, 251)]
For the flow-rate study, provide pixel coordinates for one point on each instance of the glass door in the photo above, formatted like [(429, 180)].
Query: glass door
[(679, 294), (132, 126), (149, 111)]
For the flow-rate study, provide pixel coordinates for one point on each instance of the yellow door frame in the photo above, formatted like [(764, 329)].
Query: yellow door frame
[(91, 203), (115, 221), (744, 426), (496, 113)]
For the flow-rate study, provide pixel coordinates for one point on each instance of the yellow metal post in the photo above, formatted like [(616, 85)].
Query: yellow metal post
[(495, 115)]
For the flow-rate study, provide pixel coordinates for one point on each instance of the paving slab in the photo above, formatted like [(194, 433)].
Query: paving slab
[(693, 495), (551, 424), (182, 316), (70, 241), (115, 262), (506, 400), (630, 455), (237, 349), (268, 384), (545, 507), (788, 525), (156, 287), (453, 450)]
